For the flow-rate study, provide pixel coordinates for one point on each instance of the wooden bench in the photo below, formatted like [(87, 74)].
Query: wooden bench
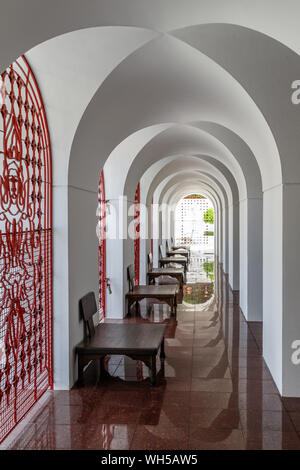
[(140, 342), (154, 273), (174, 253), (177, 249), (176, 273), (171, 246), (171, 259), (166, 294)]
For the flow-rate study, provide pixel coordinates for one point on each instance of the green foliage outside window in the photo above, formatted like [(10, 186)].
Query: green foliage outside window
[(209, 269), (208, 216)]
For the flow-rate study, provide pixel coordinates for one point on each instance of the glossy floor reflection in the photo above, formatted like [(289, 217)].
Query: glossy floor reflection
[(214, 391)]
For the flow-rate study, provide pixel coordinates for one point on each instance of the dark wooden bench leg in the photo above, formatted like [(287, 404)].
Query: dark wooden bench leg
[(173, 304), (128, 305), (81, 364), (162, 349), (153, 370), (103, 371)]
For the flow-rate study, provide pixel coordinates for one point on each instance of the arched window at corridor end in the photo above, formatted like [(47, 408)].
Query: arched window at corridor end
[(194, 222), (25, 246)]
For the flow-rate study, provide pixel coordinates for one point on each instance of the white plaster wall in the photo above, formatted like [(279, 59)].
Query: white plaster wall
[(251, 282), (233, 253), (255, 256), (291, 296), (272, 282), (60, 276), (244, 258)]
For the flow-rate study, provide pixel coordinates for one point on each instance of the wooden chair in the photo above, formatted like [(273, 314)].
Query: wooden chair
[(138, 341)]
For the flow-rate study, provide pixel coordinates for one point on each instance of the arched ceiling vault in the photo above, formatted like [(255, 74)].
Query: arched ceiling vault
[(192, 166), (179, 141), (24, 25), (213, 67), (184, 177), (169, 81)]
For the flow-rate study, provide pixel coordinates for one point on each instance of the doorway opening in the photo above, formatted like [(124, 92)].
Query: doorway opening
[(194, 227)]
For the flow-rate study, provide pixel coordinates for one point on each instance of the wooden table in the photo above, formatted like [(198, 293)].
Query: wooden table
[(178, 252), (177, 273), (166, 294), (139, 341), (171, 259)]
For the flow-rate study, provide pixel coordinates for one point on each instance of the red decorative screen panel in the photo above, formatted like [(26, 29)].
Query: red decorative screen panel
[(137, 236), (102, 242), (25, 246)]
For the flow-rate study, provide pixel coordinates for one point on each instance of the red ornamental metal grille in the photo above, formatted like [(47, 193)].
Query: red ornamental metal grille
[(25, 246), (137, 236), (102, 243)]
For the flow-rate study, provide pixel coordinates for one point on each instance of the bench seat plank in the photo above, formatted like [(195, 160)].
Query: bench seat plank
[(119, 338)]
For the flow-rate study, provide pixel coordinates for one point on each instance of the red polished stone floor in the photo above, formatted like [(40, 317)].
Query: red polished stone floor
[(214, 392)]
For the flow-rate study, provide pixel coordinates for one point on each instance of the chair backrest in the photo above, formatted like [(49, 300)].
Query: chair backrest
[(161, 252), (169, 245), (150, 261), (130, 276), (172, 240), (88, 307)]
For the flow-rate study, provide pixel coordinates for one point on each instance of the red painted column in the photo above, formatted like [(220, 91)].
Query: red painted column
[(102, 246), (151, 227), (137, 236)]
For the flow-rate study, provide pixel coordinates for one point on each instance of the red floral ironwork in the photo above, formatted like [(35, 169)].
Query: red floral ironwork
[(25, 246), (137, 236), (102, 243)]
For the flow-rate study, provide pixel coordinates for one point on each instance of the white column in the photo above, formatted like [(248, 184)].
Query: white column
[(251, 258)]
